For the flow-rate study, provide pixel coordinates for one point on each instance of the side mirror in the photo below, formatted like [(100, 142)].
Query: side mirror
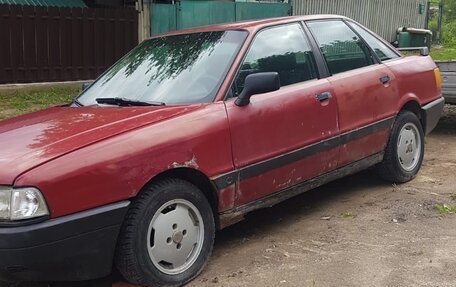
[(258, 83), (85, 85)]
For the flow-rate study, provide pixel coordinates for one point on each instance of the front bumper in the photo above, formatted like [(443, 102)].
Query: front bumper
[(76, 247), (432, 113)]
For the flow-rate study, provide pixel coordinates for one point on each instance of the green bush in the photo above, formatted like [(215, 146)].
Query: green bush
[(449, 34)]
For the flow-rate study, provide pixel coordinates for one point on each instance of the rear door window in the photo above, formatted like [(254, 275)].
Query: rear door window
[(282, 49), (341, 47)]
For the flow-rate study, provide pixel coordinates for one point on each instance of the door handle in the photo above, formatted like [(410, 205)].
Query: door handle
[(323, 96), (385, 80)]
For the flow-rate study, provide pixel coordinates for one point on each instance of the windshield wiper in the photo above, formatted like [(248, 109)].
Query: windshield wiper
[(127, 102), (77, 103)]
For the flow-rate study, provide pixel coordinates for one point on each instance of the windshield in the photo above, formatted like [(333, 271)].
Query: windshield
[(174, 70)]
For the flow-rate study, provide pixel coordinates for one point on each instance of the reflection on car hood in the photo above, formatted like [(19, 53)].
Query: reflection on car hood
[(30, 140)]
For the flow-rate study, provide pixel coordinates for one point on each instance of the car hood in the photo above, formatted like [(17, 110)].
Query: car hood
[(33, 139)]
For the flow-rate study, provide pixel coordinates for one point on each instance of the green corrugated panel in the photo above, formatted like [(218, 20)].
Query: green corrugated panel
[(47, 3), (187, 14), (251, 11), (162, 18), (191, 13)]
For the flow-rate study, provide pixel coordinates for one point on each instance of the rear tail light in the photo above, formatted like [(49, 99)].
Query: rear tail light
[(438, 78)]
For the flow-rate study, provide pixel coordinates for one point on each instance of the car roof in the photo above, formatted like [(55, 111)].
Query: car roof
[(251, 25)]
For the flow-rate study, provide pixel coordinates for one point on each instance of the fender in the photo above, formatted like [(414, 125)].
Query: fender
[(406, 99), (117, 168)]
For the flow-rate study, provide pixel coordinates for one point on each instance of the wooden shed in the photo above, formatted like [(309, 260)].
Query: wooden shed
[(381, 16)]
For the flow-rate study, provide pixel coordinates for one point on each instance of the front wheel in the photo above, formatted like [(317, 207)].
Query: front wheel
[(167, 236), (404, 151)]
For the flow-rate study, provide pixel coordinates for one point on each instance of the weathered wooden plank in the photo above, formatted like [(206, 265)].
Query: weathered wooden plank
[(45, 44), (448, 72)]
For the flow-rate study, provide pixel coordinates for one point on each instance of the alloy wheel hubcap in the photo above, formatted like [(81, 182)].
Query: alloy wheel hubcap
[(175, 236), (409, 147)]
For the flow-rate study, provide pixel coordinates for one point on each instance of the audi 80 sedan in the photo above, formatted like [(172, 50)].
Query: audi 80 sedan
[(192, 130)]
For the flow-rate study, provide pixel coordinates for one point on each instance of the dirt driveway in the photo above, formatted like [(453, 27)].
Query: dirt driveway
[(358, 231)]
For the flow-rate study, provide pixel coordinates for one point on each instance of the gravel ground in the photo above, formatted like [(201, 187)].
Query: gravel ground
[(358, 231)]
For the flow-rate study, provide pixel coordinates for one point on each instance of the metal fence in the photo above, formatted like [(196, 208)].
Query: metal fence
[(381, 16), (47, 44)]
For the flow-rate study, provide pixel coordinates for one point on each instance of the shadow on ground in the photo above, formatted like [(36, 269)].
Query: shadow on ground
[(447, 124)]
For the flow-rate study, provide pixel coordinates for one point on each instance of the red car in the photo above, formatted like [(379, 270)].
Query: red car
[(192, 130)]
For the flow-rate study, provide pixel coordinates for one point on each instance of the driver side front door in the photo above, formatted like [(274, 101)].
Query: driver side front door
[(282, 138)]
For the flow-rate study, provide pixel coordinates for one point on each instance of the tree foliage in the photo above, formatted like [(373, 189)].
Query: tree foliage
[(449, 10), (449, 23)]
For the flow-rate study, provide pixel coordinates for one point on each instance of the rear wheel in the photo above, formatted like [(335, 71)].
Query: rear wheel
[(404, 151), (167, 236)]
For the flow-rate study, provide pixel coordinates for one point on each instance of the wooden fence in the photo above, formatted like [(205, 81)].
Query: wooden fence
[(47, 44)]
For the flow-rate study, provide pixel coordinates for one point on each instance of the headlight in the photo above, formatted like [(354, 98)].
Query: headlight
[(5, 198), (21, 203)]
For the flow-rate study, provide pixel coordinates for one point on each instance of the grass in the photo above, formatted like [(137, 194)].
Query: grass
[(447, 38), (21, 102), (418, 253), (347, 214), (453, 196), (445, 208), (443, 54)]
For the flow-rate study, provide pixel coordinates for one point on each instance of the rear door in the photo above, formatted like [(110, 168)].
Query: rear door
[(385, 103), (277, 138), (362, 87)]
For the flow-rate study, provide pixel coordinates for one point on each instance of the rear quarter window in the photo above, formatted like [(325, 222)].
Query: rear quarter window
[(383, 52)]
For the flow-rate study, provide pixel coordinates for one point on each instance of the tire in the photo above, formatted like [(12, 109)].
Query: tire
[(404, 151), (167, 236)]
